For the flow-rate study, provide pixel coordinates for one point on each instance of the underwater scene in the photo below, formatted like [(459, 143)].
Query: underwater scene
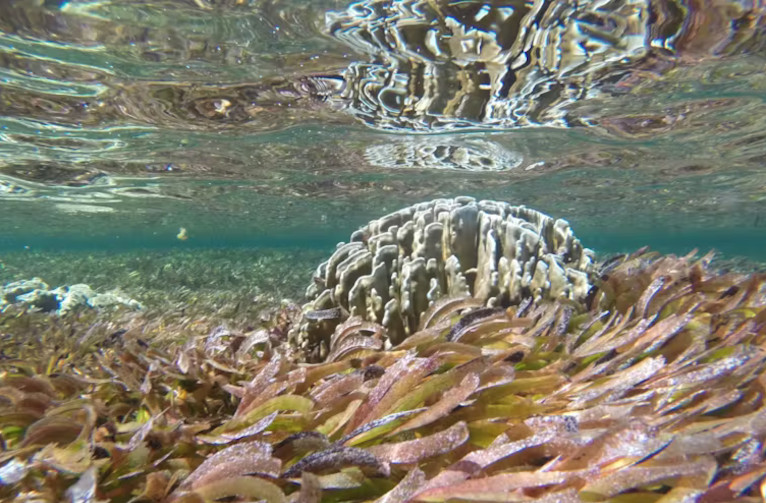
[(382, 250)]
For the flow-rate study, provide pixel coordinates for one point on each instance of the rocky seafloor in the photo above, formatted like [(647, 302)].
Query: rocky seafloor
[(220, 282), (648, 388)]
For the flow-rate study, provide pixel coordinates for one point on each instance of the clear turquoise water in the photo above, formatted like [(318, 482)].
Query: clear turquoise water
[(114, 135)]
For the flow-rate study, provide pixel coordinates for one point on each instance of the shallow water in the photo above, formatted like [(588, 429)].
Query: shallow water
[(285, 125), (199, 158)]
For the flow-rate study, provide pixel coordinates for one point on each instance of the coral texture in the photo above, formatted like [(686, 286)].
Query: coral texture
[(442, 152), (444, 65), (395, 267)]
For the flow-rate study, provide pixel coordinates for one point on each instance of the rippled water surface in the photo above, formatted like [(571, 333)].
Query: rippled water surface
[(292, 122)]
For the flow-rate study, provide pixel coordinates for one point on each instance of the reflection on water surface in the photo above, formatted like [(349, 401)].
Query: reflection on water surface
[(263, 120)]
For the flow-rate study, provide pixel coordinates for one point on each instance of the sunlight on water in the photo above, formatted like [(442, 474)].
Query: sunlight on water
[(247, 121)]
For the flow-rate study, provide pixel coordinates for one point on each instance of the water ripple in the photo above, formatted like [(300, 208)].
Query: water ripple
[(225, 107)]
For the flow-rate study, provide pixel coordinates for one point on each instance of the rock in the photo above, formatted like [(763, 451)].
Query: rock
[(395, 267), (113, 299), (63, 300), (34, 293), (72, 297), (16, 288)]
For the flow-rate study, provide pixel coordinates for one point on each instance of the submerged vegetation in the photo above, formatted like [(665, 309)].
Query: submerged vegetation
[(231, 282), (652, 390)]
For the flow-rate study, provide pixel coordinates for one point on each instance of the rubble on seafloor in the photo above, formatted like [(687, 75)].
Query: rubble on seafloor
[(36, 294)]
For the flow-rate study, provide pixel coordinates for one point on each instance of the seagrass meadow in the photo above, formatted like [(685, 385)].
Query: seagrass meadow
[(651, 390)]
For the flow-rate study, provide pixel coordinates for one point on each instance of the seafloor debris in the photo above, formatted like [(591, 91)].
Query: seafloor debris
[(653, 391), (36, 294), (396, 266)]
